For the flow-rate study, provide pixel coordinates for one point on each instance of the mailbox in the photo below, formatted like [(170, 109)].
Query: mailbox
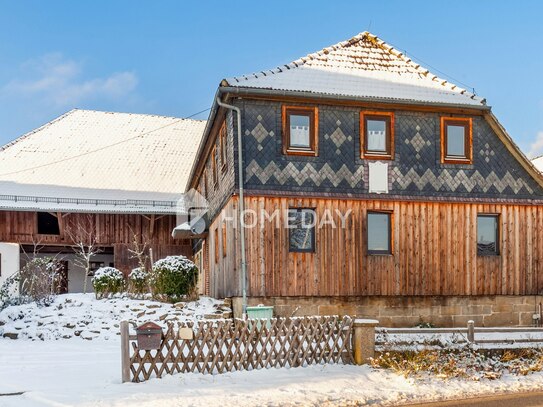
[(149, 336)]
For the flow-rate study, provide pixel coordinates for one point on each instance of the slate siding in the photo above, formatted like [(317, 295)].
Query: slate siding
[(415, 171)]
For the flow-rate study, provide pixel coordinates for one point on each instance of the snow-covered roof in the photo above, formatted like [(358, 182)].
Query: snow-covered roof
[(100, 162), (538, 163), (362, 67)]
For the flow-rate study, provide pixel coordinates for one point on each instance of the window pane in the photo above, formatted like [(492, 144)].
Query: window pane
[(379, 232), (376, 135), (299, 131), (487, 234), (301, 229), (456, 141)]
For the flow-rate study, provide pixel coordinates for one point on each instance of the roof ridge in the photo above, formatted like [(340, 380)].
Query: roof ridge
[(353, 40), (138, 114)]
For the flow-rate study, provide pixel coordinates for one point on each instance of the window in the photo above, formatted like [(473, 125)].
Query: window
[(301, 223), (456, 140), (377, 135), (214, 165), (379, 233), (300, 128), (224, 145), (488, 235), (48, 224), (216, 236)]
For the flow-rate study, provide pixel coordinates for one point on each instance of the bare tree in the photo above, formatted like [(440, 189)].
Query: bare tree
[(82, 233), (139, 250)]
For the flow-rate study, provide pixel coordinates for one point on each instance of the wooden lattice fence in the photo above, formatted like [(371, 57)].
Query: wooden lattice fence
[(226, 346)]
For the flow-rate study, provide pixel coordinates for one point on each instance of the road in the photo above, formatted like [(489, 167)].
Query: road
[(531, 399)]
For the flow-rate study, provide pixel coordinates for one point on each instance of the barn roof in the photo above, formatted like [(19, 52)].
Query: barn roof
[(100, 162), (364, 66)]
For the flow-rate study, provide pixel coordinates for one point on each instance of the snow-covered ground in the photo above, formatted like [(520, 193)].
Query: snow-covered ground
[(73, 372), (83, 316), (77, 372)]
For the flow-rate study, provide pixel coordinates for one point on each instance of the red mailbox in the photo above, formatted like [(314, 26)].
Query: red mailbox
[(149, 336)]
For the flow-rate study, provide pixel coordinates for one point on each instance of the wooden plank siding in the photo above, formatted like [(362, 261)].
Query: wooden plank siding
[(112, 230), (434, 251)]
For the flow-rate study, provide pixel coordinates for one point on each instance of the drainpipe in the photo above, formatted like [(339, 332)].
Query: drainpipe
[(241, 206)]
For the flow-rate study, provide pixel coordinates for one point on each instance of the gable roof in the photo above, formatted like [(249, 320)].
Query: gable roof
[(100, 162), (363, 66)]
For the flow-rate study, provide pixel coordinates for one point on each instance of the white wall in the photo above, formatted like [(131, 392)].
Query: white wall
[(10, 253)]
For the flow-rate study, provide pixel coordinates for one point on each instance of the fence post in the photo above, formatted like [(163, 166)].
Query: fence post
[(125, 351), (471, 331), (364, 340)]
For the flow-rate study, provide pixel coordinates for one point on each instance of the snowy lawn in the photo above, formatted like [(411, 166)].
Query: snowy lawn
[(74, 372)]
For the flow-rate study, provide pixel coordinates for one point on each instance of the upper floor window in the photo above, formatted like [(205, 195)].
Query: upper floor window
[(379, 233), (377, 135), (488, 235), (456, 140), (301, 224), (48, 224), (224, 145), (300, 128)]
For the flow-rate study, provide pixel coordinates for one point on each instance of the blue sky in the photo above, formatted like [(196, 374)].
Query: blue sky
[(167, 57)]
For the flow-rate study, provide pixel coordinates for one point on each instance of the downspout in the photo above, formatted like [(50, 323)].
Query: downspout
[(241, 206)]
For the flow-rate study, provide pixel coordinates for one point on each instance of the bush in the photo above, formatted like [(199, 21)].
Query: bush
[(174, 277), (40, 279), (138, 281), (107, 280)]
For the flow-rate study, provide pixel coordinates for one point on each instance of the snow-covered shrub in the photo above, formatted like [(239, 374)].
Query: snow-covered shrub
[(40, 279), (9, 292), (174, 277), (107, 280), (138, 281)]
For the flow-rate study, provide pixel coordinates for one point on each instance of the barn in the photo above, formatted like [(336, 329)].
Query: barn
[(110, 179)]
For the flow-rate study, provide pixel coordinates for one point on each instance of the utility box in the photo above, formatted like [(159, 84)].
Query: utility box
[(260, 312), (149, 336)]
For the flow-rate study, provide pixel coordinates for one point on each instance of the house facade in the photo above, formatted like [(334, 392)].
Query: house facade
[(112, 180), (371, 188)]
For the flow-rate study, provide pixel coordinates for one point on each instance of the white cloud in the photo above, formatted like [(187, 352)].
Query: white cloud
[(536, 148), (56, 79)]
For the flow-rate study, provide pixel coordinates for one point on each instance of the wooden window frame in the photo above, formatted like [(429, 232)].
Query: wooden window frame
[(390, 232), (313, 113), (496, 216), (216, 245), (224, 146), (312, 249), (388, 117), (465, 122)]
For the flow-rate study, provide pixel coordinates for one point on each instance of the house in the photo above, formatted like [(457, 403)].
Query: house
[(94, 176), (370, 187)]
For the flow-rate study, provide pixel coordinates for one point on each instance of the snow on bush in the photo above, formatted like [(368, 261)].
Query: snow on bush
[(174, 277), (137, 281), (107, 280)]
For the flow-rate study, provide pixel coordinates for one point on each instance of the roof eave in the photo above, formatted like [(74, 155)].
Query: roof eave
[(248, 91)]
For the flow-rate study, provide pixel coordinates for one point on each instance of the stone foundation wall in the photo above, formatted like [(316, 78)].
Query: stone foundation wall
[(450, 311)]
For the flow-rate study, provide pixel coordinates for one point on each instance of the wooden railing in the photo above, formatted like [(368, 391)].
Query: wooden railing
[(470, 334), (212, 347)]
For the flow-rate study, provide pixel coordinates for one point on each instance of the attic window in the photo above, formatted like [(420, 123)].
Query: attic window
[(224, 145), (48, 224), (300, 127), (456, 140), (377, 135)]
